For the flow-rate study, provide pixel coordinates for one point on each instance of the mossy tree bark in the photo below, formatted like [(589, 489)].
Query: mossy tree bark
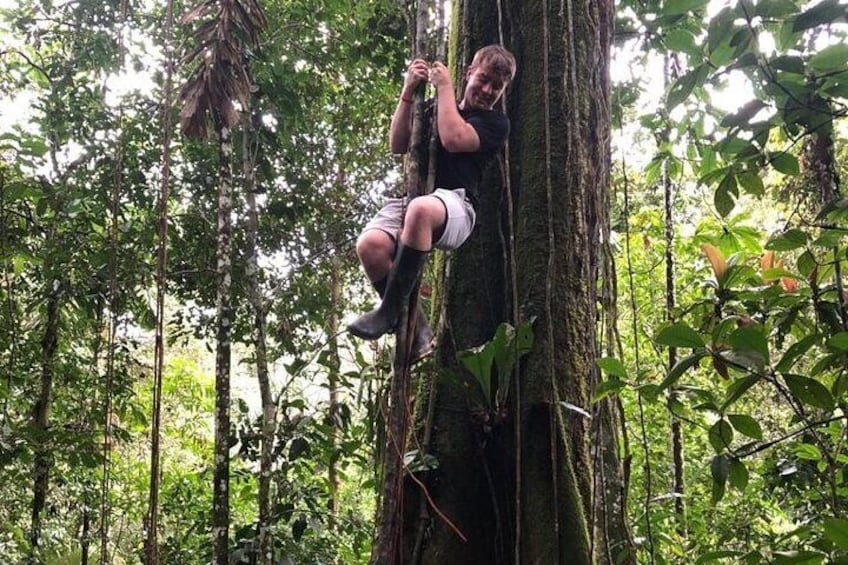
[(522, 491)]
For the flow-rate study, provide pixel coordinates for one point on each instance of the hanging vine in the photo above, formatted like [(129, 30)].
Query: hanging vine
[(152, 519)]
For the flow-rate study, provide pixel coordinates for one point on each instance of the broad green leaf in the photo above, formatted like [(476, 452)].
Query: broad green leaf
[(679, 335), (809, 391), (747, 59), (732, 145), (775, 8), (708, 162), (784, 162), (479, 362), (721, 435), (788, 240), (724, 195), (795, 352), (612, 366), (806, 263), (779, 272), (831, 59), (681, 40), (803, 557), (743, 115), (649, 391), (737, 388), (719, 469), (836, 86), (738, 474), (681, 367), (829, 238), (827, 362), (836, 530), (716, 555), (682, 87), (788, 64), (607, 388), (839, 341), (808, 452), (751, 338), (720, 29), (826, 12), (747, 425), (751, 183), (676, 7)]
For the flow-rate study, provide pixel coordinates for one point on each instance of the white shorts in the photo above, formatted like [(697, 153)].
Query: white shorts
[(460, 217)]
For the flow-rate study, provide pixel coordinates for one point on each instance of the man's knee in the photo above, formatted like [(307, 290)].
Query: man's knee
[(373, 245), (426, 211)]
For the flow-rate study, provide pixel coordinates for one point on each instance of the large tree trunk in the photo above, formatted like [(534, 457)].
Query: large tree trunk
[(522, 491)]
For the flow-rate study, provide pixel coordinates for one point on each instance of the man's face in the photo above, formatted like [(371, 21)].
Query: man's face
[(483, 88)]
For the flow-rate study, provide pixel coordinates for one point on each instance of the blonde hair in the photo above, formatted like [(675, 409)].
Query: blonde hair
[(497, 60)]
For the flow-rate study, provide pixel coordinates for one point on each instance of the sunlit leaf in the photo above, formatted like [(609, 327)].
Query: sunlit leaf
[(716, 259), (830, 59), (801, 557), (679, 39), (747, 425), (607, 388), (839, 341), (679, 335), (716, 555), (808, 452), (751, 182), (675, 7), (784, 162), (775, 8), (788, 240), (612, 366)]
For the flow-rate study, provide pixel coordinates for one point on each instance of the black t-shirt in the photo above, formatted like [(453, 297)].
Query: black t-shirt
[(464, 170)]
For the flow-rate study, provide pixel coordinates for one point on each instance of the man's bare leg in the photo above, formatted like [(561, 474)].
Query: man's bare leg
[(425, 220)]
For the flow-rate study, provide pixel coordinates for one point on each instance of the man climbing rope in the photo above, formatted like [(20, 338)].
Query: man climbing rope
[(469, 135)]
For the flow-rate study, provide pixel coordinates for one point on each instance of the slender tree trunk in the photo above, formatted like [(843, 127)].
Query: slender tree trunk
[(269, 407), (224, 320), (43, 460), (333, 389), (85, 537), (677, 446)]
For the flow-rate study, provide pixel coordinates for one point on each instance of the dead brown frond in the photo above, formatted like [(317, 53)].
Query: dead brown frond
[(220, 78)]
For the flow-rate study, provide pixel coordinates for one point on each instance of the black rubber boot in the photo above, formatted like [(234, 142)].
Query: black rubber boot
[(423, 345), (403, 277)]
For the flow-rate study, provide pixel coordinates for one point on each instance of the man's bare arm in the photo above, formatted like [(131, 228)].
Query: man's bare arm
[(457, 135), (401, 128)]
